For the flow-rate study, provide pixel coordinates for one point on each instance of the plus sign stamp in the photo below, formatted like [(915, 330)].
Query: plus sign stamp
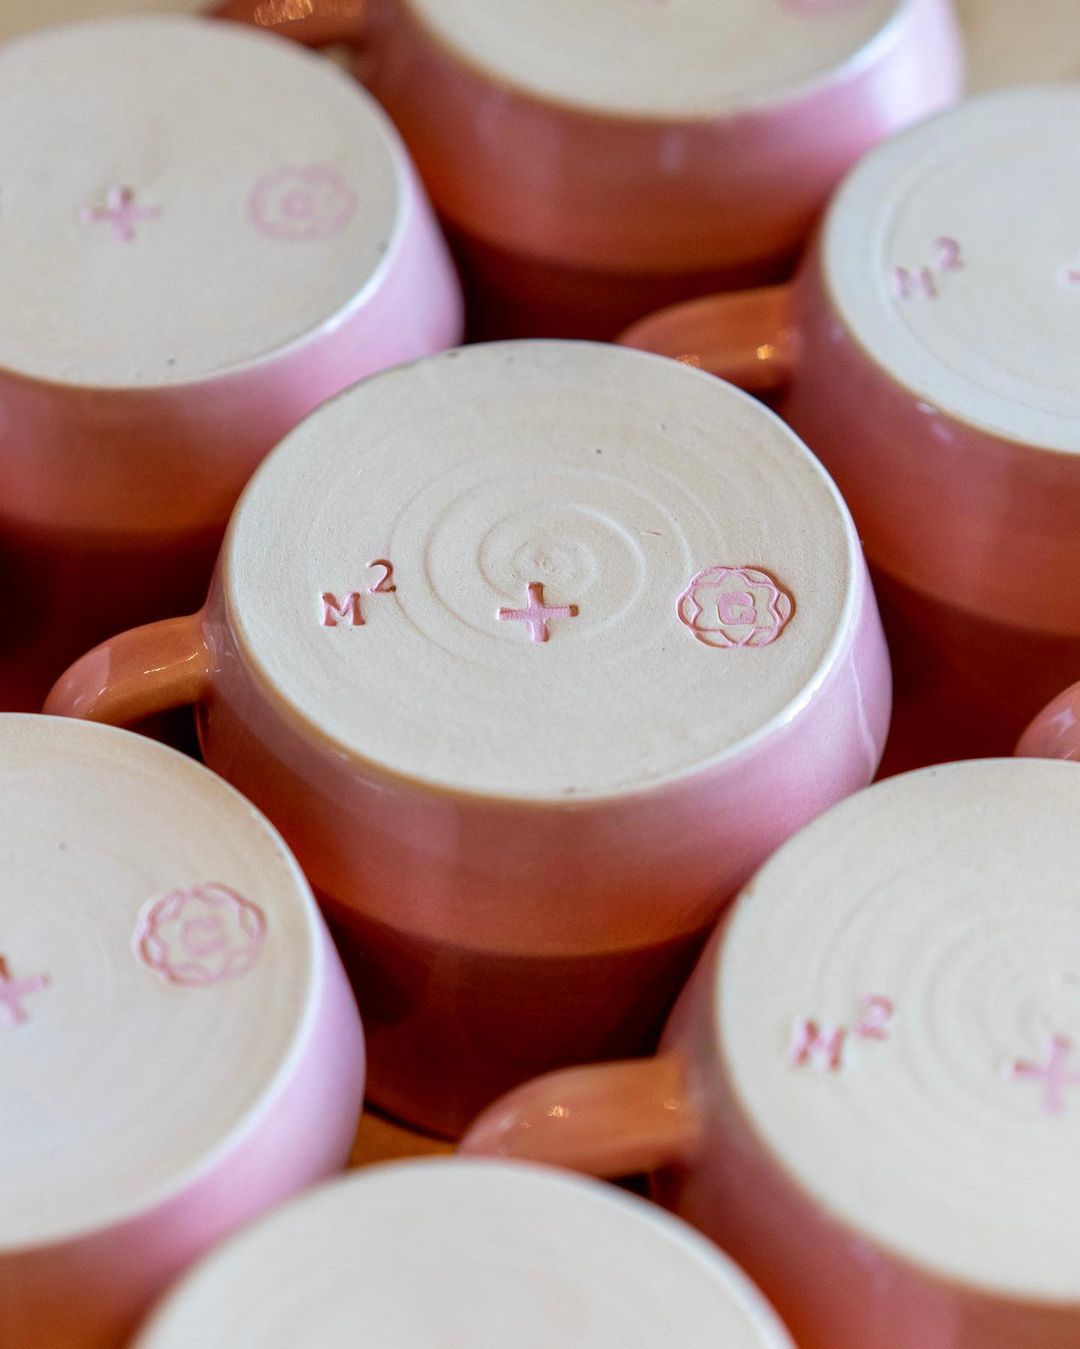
[(170, 1006)]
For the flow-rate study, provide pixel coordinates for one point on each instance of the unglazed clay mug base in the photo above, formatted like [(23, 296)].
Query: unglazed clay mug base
[(869, 1093), (506, 1254), (533, 651), (150, 353), (925, 352), (181, 1050), (588, 163)]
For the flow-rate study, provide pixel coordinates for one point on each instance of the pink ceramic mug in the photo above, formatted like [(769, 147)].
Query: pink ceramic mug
[(181, 1050), (594, 164), (230, 231), (926, 352), (869, 1093), (533, 651), (434, 1255)]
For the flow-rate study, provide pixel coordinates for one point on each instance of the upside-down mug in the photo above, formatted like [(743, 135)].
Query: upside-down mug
[(533, 651), (433, 1254), (228, 232), (926, 352), (869, 1093), (594, 164), (181, 1049)]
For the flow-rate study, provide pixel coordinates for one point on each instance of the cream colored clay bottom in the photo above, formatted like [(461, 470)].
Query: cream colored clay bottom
[(542, 570)]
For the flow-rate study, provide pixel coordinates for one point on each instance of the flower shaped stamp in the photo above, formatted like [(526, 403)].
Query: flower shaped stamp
[(204, 935), (735, 606), (301, 204)]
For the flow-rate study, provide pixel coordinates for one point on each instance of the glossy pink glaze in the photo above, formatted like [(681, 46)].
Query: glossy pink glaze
[(113, 501), (492, 939), (679, 1115), (631, 201), (950, 516), (90, 1293)]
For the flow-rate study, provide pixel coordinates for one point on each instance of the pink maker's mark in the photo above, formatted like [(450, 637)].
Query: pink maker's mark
[(877, 1015), (537, 614), (911, 283), (949, 255), (349, 611), (121, 212), (1052, 1073), (907, 285), (13, 992), (823, 1044), (301, 205), (735, 606), (204, 935)]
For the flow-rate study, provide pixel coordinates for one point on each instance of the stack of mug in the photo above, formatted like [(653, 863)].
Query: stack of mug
[(539, 683)]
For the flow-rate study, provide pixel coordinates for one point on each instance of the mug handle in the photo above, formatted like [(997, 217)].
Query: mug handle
[(1055, 731), (314, 23), (746, 337), (606, 1120), (142, 672)]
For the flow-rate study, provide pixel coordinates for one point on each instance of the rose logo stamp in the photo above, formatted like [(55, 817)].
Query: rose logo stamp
[(735, 606), (302, 204), (203, 935)]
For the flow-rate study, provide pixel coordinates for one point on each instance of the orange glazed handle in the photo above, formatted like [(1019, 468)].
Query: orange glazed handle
[(609, 1120), (745, 337), (141, 672)]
